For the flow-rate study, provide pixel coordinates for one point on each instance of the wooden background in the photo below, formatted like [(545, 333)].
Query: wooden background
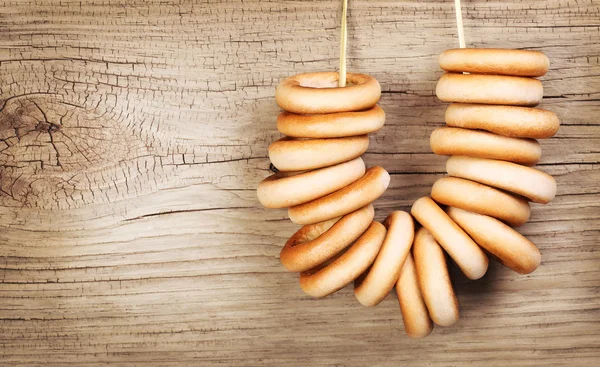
[(133, 135)]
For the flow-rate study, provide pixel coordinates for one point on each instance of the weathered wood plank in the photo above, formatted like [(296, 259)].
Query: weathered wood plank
[(133, 135)]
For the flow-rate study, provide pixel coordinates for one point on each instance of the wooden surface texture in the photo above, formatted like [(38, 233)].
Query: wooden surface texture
[(133, 135)]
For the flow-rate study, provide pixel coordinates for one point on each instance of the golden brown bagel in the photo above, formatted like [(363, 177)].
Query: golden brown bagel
[(434, 280), (495, 61), (482, 199), (331, 125), (507, 245), (299, 154), (380, 279), (483, 144), (489, 89), (468, 256), (347, 267), (535, 185), (522, 122), (417, 323), (318, 93), (316, 243), (283, 189), (361, 192)]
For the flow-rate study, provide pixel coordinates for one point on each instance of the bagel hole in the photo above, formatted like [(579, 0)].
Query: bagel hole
[(323, 84), (362, 277), (285, 174), (291, 138), (319, 84)]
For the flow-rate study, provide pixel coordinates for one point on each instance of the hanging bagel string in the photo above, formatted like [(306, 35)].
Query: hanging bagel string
[(343, 42), (346, 190), (459, 24)]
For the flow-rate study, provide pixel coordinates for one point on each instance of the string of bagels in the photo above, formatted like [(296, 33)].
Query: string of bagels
[(490, 138)]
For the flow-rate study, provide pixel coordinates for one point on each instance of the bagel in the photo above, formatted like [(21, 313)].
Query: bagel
[(483, 144), (361, 192), (434, 279), (331, 125), (468, 256), (283, 189), (495, 61), (316, 243), (521, 122), (318, 93), (380, 279), (507, 245), (299, 154), (417, 323), (482, 199), (489, 89), (347, 267), (535, 185)]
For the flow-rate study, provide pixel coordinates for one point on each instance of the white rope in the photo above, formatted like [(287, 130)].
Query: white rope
[(343, 42), (459, 24)]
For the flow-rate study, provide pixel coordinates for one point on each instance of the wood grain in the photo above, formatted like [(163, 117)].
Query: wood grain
[(133, 135)]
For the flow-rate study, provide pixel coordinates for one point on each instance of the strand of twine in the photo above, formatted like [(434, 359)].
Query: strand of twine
[(459, 24), (343, 42)]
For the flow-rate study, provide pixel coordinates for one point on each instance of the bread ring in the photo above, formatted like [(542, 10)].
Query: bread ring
[(482, 144), (495, 61), (482, 199), (331, 125), (507, 245), (316, 243), (434, 280), (318, 93), (380, 279), (535, 185), (522, 122), (298, 154), (283, 189), (347, 267), (361, 192), (417, 323), (468, 256), (489, 89)]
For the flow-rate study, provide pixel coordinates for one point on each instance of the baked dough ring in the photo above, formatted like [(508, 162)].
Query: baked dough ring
[(316, 243), (495, 61), (521, 122), (535, 185), (380, 279), (482, 144), (361, 192), (489, 89), (283, 189), (468, 256), (417, 323), (347, 267), (507, 245), (482, 199), (332, 125), (318, 93), (434, 280), (298, 154)]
